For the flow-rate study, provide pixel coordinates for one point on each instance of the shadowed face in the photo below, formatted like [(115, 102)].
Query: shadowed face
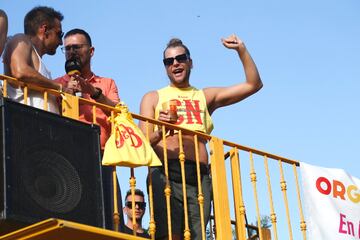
[(139, 207), (53, 38)]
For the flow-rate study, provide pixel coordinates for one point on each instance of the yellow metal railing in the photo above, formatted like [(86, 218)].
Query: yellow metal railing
[(221, 169)]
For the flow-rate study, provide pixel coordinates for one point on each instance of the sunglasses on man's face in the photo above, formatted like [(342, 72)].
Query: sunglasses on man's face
[(141, 205), (179, 58)]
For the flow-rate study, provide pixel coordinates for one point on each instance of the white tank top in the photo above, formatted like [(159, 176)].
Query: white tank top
[(35, 98)]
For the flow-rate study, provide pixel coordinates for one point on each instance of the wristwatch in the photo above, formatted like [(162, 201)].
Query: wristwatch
[(97, 94)]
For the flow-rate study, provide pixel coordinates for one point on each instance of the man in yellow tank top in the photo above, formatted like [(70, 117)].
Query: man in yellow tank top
[(194, 108)]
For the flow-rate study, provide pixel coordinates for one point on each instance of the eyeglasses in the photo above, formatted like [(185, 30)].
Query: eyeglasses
[(179, 58), (74, 47), (141, 205)]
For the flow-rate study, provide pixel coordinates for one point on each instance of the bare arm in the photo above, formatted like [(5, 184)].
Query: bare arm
[(222, 96), (147, 109), (18, 63), (3, 29)]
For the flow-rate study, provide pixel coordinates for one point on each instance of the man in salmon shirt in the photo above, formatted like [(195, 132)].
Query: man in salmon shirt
[(84, 83)]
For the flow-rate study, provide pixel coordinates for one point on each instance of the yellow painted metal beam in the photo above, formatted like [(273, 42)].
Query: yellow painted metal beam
[(220, 191), (56, 229)]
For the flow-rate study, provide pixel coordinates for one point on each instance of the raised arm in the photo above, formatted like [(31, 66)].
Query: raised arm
[(222, 96), (18, 63)]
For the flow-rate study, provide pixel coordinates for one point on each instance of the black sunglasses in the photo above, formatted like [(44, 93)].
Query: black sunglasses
[(141, 205), (179, 58)]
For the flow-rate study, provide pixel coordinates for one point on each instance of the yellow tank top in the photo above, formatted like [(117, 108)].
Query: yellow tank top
[(191, 107)]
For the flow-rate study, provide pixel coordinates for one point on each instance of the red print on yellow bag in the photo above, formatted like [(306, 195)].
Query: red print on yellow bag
[(127, 145)]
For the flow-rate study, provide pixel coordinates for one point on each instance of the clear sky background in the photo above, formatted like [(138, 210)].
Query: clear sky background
[(307, 53)]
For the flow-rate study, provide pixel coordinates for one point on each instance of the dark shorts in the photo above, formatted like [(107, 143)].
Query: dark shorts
[(176, 199)]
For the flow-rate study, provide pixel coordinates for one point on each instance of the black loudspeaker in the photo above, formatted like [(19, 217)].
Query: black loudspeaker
[(49, 168)]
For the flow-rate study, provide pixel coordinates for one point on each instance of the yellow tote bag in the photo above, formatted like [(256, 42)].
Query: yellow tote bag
[(127, 145)]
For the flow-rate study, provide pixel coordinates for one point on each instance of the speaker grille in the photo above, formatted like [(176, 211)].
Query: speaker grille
[(51, 167), (52, 182)]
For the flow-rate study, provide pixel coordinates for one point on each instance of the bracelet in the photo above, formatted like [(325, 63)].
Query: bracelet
[(97, 94), (60, 88)]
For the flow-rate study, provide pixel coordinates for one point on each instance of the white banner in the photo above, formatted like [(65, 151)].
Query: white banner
[(332, 203)]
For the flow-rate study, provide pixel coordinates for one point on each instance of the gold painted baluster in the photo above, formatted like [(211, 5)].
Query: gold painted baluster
[(5, 88), (45, 100), (94, 113), (253, 181), (116, 215), (283, 189), (272, 212), (132, 183), (26, 95), (187, 234), (167, 190), (239, 205), (220, 193), (152, 225), (200, 195), (302, 220)]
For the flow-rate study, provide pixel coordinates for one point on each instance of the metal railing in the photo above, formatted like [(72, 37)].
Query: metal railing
[(245, 194)]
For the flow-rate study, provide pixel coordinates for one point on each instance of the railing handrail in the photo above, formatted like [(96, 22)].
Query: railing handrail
[(217, 153), (154, 121)]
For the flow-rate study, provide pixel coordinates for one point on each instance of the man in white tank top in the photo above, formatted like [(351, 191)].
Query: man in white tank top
[(22, 56)]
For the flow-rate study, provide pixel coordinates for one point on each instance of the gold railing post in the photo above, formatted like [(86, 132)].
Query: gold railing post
[(272, 211), (45, 101), (132, 183), (152, 225), (284, 189), (187, 234), (70, 106), (253, 181), (220, 193), (5, 88), (116, 216), (302, 220), (167, 190), (239, 205), (200, 192)]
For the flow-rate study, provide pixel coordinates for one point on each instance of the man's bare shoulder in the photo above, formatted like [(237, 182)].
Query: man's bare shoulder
[(150, 98), (19, 38), (151, 95), (19, 41)]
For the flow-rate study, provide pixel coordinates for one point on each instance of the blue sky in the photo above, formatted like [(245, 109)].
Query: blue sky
[(307, 53)]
